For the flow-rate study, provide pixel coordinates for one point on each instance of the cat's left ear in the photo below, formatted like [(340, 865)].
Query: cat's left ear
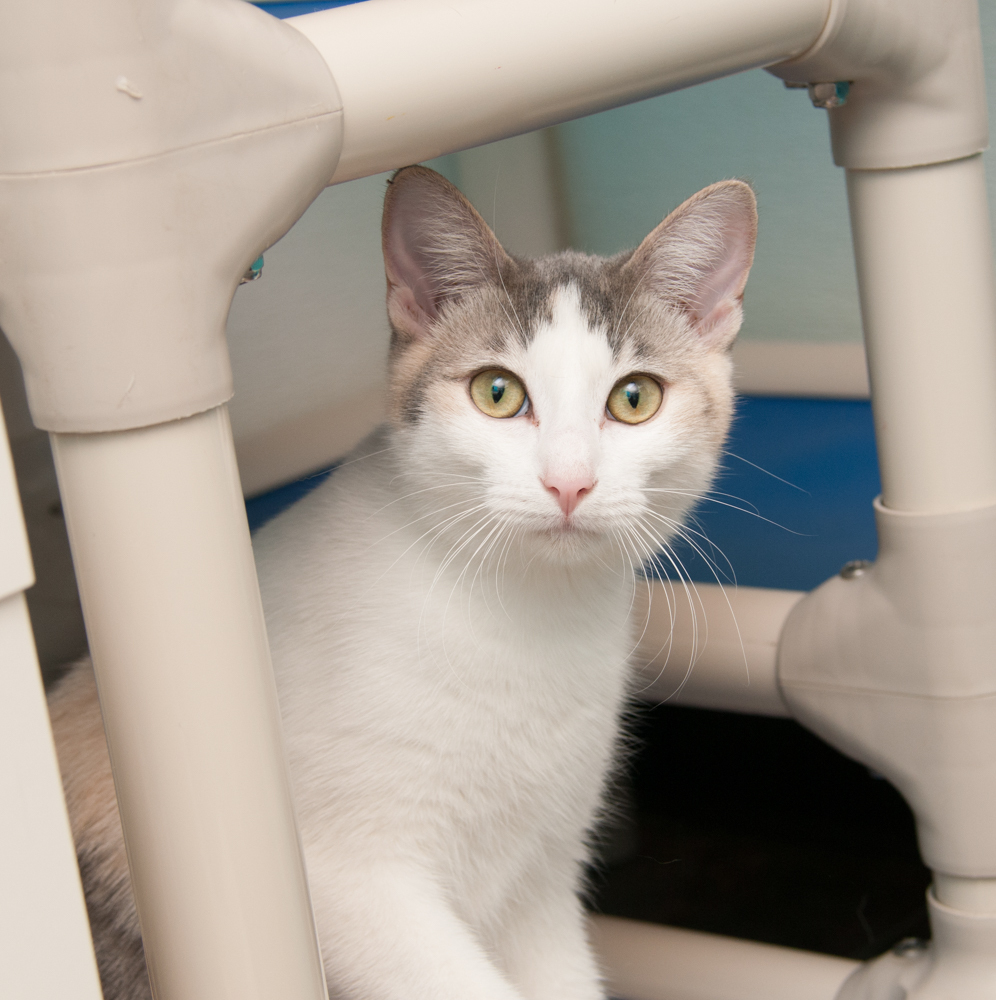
[(436, 249), (699, 257)]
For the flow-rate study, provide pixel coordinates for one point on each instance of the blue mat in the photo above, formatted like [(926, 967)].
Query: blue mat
[(792, 531), (291, 8), (266, 506), (795, 536)]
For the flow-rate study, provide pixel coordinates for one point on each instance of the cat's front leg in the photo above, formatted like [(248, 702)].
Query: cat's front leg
[(388, 933), (545, 948)]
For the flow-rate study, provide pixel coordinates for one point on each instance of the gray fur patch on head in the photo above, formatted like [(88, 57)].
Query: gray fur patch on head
[(457, 300)]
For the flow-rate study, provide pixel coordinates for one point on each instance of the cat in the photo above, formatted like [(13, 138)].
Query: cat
[(450, 612)]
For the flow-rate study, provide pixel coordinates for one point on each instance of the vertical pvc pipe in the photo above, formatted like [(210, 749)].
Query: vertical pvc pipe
[(45, 946), (923, 251), (161, 546)]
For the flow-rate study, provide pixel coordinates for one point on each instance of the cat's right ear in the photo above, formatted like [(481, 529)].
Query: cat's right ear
[(699, 257), (436, 247)]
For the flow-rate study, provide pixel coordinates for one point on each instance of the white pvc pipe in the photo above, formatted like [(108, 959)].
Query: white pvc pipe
[(923, 251), (421, 79), (162, 553), (45, 947), (711, 647), (970, 895), (648, 962)]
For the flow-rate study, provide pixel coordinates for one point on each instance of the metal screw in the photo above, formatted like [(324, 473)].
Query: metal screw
[(855, 568), (910, 947), (829, 95), (255, 270)]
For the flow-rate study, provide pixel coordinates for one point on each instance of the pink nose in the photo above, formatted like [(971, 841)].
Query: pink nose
[(568, 491)]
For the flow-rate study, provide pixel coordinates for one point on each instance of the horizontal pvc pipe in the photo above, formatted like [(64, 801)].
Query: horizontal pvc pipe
[(711, 647), (45, 947), (923, 251), (419, 78), (161, 546), (649, 962)]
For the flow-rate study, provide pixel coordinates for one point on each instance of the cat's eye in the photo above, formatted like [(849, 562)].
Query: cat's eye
[(498, 393), (634, 399)]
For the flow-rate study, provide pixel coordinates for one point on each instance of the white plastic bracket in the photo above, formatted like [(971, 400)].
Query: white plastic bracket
[(959, 962), (917, 93), (152, 150), (895, 667)]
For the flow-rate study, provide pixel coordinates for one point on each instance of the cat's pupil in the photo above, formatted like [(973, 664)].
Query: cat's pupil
[(633, 394), (498, 389)]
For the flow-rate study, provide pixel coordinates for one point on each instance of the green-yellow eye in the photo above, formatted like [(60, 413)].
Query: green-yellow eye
[(634, 399), (497, 393)]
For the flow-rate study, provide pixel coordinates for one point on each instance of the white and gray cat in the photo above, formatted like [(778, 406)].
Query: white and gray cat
[(449, 613)]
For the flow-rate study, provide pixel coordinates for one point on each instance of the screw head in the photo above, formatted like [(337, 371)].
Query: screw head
[(829, 95), (910, 947), (855, 568), (255, 270)]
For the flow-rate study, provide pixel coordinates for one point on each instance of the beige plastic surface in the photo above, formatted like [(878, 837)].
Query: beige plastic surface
[(971, 895), (711, 646), (161, 546), (896, 668), (917, 89), (45, 947), (797, 368), (449, 74), (923, 251), (151, 151), (960, 963), (649, 962)]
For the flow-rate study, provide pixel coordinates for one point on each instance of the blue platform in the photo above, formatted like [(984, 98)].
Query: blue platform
[(793, 536)]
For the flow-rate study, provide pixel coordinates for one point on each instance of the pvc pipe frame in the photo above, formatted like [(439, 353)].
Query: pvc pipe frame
[(42, 899), (155, 514), (923, 252), (161, 545)]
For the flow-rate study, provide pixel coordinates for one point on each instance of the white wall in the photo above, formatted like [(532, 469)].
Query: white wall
[(309, 338)]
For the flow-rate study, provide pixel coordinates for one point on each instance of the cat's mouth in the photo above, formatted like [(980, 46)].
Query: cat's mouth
[(571, 527)]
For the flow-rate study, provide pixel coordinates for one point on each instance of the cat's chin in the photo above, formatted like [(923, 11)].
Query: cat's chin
[(571, 544)]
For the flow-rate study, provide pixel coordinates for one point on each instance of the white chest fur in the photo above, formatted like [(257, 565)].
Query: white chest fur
[(459, 717)]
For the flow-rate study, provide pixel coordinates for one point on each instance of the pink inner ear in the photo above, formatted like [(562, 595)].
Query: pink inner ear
[(699, 257), (722, 285), (405, 271), (722, 275), (436, 247)]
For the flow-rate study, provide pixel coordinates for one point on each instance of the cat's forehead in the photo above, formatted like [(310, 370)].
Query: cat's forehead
[(564, 291), (570, 339), (569, 289)]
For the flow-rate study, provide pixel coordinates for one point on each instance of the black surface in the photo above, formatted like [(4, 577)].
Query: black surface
[(754, 828)]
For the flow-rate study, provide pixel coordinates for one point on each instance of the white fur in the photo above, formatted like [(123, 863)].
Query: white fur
[(451, 721), (450, 646)]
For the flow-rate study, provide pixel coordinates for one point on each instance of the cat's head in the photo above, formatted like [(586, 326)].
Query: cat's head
[(573, 402)]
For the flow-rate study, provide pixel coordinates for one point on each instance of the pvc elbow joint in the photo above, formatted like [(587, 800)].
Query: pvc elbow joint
[(151, 152), (917, 86)]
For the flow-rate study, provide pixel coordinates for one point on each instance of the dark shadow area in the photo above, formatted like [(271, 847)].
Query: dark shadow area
[(754, 828)]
